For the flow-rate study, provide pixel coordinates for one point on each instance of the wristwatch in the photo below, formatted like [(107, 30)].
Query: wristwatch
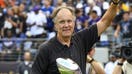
[(116, 3), (120, 64), (91, 60)]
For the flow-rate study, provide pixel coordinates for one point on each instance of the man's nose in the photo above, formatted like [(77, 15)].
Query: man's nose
[(66, 23)]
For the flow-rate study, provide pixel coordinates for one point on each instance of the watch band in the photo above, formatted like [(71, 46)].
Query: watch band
[(120, 64), (116, 3), (91, 60)]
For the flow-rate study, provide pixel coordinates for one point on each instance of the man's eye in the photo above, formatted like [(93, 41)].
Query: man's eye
[(69, 21), (62, 22)]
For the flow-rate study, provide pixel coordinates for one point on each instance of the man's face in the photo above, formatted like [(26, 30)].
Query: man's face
[(64, 23), (27, 56), (126, 16), (46, 2), (93, 15), (113, 58)]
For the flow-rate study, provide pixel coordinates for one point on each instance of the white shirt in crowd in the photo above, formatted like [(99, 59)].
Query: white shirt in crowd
[(127, 68), (96, 8), (109, 67), (39, 20)]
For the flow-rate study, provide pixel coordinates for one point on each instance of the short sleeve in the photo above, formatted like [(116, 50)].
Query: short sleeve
[(89, 36), (41, 61)]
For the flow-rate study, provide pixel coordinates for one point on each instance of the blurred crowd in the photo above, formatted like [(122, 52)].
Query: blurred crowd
[(23, 21)]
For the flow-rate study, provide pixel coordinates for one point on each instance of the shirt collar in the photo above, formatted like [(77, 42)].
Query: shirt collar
[(60, 46)]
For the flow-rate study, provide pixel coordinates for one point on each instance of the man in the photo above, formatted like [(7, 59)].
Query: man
[(109, 67), (47, 8), (37, 25), (94, 18), (80, 20), (69, 45), (25, 67), (124, 27)]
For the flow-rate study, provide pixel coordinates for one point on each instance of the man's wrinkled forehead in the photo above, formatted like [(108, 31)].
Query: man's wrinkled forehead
[(64, 11), (58, 9)]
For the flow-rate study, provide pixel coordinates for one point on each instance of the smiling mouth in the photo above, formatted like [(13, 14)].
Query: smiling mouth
[(67, 30)]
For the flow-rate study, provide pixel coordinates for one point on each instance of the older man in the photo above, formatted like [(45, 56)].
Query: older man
[(69, 45)]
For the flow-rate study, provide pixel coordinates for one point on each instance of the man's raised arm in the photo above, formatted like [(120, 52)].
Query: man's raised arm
[(107, 18)]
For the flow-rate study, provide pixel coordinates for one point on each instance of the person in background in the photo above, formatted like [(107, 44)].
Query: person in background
[(47, 8), (25, 66), (2, 18), (94, 18), (2, 3), (109, 67), (80, 20), (124, 28), (8, 46), (37, 25)]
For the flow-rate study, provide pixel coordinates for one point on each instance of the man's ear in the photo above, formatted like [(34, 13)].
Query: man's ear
[(55, 27)]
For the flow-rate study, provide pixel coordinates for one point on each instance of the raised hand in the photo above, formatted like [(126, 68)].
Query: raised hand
[(116, 1)]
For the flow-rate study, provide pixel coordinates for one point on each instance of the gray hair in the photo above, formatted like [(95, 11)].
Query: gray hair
[(56, 10)]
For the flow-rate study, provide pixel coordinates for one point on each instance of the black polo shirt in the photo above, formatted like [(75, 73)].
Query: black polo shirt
[(81, 42)]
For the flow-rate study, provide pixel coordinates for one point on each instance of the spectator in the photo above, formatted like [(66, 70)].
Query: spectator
[(94, 18), (70, 3), (48, 9), (97, 9), (24, 67), (120, 12), (124, 27), (22, 16), (109, 67), (2, 18), (80, 20), (2, 3), (36, 26), (79, 4), (12, 21), (9, 47), (104, 6), (17, 20), (60, 3), (8, 42)]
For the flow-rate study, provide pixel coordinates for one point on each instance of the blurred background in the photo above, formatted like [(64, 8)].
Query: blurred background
[(25, 24)]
